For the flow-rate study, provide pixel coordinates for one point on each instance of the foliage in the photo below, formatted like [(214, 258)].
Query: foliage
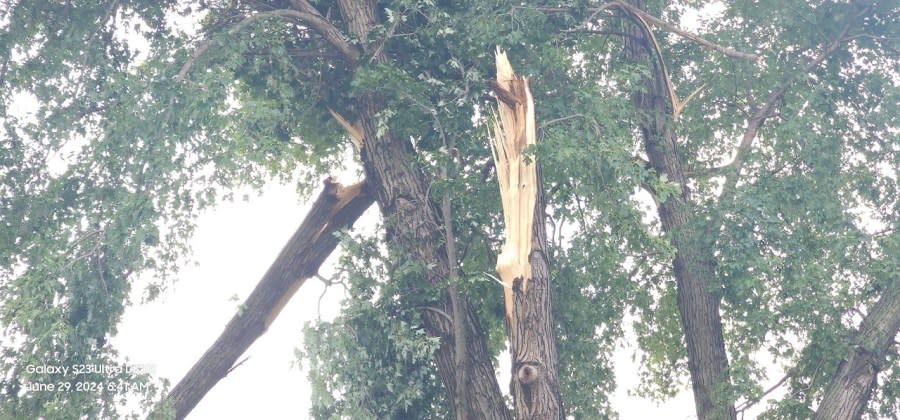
[(131, 134), (374, 361)]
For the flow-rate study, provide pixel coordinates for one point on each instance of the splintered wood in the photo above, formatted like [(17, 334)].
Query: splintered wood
[(514, 131)]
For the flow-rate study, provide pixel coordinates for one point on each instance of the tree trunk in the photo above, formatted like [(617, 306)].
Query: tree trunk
[(694, 263), (535, 364), (413, 226), (849, 391), (335, 208)]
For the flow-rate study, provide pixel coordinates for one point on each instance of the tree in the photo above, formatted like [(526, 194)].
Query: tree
[(772, 190)]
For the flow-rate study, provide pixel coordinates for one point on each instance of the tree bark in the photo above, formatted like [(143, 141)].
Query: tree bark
[(335, 208), (535, 363), (849, 391), (694, 263), (413, 226)]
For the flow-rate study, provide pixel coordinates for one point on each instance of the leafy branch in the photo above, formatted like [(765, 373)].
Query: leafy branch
[(306, 14), (732, 169)]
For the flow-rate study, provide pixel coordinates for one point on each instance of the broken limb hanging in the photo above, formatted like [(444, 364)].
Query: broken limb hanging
[(335, 208), (522, 264)]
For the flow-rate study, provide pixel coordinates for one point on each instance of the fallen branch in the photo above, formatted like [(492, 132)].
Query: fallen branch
[(335, 208)]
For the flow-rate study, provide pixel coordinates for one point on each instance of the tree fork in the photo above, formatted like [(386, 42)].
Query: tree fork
[(335, 208)]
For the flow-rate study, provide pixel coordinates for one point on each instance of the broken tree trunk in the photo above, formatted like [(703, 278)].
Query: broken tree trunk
[(335, 208), (522, 264)]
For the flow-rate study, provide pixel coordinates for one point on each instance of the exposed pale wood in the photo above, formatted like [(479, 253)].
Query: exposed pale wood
[(354, 130), (514, 131), (522, 264)]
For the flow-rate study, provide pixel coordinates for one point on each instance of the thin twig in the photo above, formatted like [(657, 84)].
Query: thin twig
[(750, 403), (236, 365), (381, 42)]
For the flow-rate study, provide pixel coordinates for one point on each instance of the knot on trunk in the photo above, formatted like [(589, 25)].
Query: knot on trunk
[(528, 373)]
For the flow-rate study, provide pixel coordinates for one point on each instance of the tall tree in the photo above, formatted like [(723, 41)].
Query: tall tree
[(731, 193)]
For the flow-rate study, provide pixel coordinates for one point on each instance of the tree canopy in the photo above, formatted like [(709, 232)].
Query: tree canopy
[(720, 182)]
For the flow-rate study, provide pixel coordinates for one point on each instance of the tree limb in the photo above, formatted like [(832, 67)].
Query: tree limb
[(315, 21), (311, 16), (759, 117), (335, 208), (659, 23), (668, 27), (849, 390)]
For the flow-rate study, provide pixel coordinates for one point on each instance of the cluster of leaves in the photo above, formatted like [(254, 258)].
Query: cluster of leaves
[(375, 360)]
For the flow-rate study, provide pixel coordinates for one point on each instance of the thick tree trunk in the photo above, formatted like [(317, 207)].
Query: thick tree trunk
[(535, 364), (335, 208), (414, 228), (849, 391), (698, 303)]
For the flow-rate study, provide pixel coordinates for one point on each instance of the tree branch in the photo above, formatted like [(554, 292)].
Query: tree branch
[(315, 21), (851, 387), (659, 23), (335, 208), (668, 27), (311, 16), (751, 402), (733, 168)]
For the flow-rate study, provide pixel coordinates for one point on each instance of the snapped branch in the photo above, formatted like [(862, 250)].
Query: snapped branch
[(668, 27)]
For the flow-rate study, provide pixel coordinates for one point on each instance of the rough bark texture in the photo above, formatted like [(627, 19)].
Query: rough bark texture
[(535, 364), (694, 264), (849, 391), (414, 227), (335, 208)]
